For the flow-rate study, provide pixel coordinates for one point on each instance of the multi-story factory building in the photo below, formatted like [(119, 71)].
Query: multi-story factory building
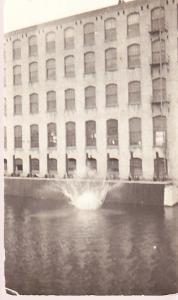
[(99, 89)]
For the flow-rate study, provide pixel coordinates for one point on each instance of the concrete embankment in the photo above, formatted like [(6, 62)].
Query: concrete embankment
[(123, 192)]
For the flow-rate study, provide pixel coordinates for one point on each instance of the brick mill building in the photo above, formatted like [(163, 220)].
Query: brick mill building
[(99, 89)]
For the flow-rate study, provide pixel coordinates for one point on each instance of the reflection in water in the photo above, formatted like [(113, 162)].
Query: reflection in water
[(65, 251)]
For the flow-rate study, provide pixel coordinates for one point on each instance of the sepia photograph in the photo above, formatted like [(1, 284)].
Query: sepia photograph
[(90, 120)]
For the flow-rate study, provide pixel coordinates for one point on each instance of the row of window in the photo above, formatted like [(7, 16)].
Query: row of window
[(111, 92), (110, 29), (160, 166), (158, 47), (135, 133)]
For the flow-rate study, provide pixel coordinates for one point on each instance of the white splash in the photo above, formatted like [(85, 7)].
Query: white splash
[(85, 194)]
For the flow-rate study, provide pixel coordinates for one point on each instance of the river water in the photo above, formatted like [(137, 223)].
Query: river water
[(116, 250)]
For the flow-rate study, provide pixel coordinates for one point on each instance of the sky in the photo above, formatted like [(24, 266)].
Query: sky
[(24, 13)]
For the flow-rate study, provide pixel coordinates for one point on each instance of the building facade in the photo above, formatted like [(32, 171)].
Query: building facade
[(98, 89)]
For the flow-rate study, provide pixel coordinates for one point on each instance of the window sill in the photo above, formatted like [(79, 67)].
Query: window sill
[(112, 106), (133, 68), (70, 110), (133, 147), (91, 147), (113, 147), (90, 108), (52, 148), (70, 148), (112, 70)]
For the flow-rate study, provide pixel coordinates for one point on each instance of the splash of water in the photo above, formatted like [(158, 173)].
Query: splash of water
[(85, 194)]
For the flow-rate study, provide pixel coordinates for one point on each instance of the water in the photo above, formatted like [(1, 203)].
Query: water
[(52, 248)]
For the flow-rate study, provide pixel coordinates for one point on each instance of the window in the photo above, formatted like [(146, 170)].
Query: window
[(52, 135), (92, 163), (51, 69), (89, 34), (113, 165), (17, 105), (135, 132), (89, 62), (34, 136), (52, 165), (5, 164), (50, 42), (69, 66), (134, 92), (69, 38), (70, 134), (157, 19), (5, 138), (112, 132), (158, 52), (134, 56), (34, 103), (51, 101), (71, 166), (5, 107), (33, 72), (90, 97), (111, 95), (133, 26), (136, 168), (18, 136), (33, 47), (111, 59), (18, 165), (110, 29), (16, 49), (35, 165), (159, 90), (70, 99), (160, 168), (90, 133), (159, 131), (17, 75)]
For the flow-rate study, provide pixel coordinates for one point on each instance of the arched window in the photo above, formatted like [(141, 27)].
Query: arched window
[(134, 92), (18, 165), (50, 42), (17, 105), (89, 62), (112, 132), (135, 132), (134, 56), (35, 165), (34, 103), (159, 131), (110, 29), (5, 138), (111, 59), (159, 90), (92, 163), (51, 101), (17, 77), (111, 95), (89, 34), (133, 26), (90, 134), (18, 136), (158, 47), (52, 135), (33, 72), (33, 47), (69, 66), (135, 168), (34, 136), (70, 134), (69, 38), (51, 69), (113, 165), (52, 165), (16, 49), (90, 97), (160, 168), (157, 19), (69, 99)]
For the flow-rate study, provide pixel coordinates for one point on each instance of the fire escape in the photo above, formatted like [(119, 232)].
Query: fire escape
[(159, 69)]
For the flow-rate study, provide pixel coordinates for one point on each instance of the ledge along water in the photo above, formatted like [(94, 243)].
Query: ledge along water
[(122, 191)]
